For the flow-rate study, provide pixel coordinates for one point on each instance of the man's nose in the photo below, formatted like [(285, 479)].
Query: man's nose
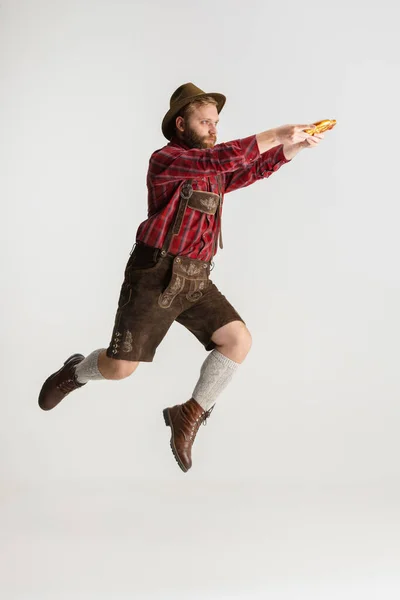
[(212, 129)]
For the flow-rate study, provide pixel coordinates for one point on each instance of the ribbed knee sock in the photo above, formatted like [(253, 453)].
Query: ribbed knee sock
[(215, 374), (88, 368)]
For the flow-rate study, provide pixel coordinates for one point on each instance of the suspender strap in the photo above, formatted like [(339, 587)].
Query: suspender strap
[(219, 213), (186, 192)]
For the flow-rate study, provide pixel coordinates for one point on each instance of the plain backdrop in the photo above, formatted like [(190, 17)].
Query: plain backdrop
[(310, 259)]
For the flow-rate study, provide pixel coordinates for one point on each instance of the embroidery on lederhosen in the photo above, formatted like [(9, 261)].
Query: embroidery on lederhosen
[(185, 269), (196, 290), (205, 202), (210, 204), (122, 342), (175, 286), (127, 343)]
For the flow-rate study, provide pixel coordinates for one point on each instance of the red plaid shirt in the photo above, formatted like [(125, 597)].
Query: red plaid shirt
[(239, 163)]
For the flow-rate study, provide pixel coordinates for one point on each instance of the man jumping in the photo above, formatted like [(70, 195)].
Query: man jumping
[(167, 274)]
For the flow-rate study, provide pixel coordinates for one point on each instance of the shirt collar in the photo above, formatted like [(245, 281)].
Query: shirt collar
[(175, 141)]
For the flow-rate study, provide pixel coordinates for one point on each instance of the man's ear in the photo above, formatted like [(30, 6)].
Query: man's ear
[(180, 122)]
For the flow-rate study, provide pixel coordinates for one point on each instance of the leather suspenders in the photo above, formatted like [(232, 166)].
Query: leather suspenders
[(185, 196), (186, 193)]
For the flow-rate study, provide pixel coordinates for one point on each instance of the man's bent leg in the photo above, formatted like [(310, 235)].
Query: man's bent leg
[(233, 343), (77, 371), (111, 368), (218, 326)]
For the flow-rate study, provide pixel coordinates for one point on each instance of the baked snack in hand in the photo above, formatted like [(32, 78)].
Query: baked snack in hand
[(321, 126)]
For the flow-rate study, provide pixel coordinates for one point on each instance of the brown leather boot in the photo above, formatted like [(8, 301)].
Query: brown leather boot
[(60, 384), (184, 420)]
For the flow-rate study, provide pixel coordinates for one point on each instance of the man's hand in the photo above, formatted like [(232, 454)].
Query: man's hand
[(292, 134), (294, 139)]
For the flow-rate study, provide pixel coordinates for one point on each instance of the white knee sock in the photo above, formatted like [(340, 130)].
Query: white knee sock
[(215, 374), (88, 368)]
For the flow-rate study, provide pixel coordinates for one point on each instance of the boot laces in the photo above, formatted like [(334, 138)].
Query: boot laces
[(207, 414), (67, 386), (194, 425)]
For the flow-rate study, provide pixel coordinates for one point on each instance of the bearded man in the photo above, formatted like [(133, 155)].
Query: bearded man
[(167, 274)]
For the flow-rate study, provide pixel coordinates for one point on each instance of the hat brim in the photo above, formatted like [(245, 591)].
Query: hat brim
[(169, 119)]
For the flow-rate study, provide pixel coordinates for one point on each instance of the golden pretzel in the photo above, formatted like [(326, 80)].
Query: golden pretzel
[(321, 126)]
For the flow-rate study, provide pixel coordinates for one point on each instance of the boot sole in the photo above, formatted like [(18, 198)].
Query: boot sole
[(171, 443)]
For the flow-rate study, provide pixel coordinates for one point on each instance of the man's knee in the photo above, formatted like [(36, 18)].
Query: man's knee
[(234, 340), (113, 368), (123, 368), (243, 340), (246, 340)]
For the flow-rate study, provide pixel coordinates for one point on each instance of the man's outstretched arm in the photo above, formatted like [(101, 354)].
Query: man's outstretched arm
[(278, 147), (175, 163)]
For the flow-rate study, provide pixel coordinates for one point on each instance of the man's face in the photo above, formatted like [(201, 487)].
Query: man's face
[(200, 127)]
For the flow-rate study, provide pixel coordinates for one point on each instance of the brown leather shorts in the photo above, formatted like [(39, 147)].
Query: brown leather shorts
[(158, 290)]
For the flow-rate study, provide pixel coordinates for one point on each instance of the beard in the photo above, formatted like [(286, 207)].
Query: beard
[(194, 140)]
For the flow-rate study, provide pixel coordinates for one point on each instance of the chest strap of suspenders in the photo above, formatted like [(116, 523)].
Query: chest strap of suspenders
[(186, 193), (220, 194)]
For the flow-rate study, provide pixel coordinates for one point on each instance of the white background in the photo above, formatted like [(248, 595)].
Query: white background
[(310, 261)]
